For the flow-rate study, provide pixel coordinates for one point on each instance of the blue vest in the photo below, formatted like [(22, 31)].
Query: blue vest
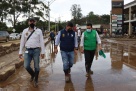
[(67, 40)]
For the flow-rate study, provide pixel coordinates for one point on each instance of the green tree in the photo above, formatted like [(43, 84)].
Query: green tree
[(3, 26), (105, 19), (76, 12), (11, 10), (4, 5), (94, 19)]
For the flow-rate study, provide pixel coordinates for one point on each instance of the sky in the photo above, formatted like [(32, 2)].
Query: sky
[(61, 8)]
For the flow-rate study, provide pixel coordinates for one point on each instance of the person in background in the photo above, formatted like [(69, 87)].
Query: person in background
[(79, 35), (52, 37)]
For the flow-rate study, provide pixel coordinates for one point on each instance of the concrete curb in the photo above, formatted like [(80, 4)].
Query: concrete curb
[(6, 72)]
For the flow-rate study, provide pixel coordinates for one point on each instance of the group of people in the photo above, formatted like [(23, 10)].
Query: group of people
[(68, 40)]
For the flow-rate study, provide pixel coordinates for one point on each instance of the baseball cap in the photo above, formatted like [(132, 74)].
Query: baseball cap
[(31, 19)]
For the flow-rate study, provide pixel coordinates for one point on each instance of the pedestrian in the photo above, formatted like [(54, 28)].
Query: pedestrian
[(68, 45), (79, 35), (32, 40), (88, 46), (52, 37)]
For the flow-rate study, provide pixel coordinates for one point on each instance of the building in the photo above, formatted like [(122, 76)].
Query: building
[(130, 18), (116, 21)]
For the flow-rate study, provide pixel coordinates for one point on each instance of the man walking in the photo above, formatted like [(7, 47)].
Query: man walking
[(68, 44), (52, 37), (88, 46), (32, 40)]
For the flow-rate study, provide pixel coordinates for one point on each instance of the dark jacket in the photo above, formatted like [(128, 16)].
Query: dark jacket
[(67, 40)]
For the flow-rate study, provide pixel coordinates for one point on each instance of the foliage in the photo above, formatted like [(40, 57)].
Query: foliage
[(11, 10), (76, 12), (91, 17), (3, 26)]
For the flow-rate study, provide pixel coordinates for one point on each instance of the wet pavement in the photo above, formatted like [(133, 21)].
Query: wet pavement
[(117, 72)]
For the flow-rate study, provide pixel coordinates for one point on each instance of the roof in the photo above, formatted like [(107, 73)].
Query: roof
[(129, 4), (107, 26)]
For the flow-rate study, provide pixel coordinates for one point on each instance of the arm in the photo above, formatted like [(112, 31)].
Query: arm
[(22, 43), (57, 41), (99, 41), (42, 43), (82, 43), (76, 42)]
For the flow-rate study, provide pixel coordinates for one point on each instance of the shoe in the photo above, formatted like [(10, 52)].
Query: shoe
[(32, 78), (91, 72), (69, 70), (35, 84), (87, 74), (67, 79)]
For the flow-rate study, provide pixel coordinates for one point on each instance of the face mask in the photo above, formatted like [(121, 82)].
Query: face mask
[(32, 25), (88, 30)]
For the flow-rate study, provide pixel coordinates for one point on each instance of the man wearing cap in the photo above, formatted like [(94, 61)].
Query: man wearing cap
[(32, 40)]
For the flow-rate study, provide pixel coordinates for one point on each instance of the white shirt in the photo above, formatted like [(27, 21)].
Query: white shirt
[(36, 40), (82, 39), (79, 33)]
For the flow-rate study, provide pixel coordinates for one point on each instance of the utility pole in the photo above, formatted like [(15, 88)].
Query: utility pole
[(49, 16), (49, 3)]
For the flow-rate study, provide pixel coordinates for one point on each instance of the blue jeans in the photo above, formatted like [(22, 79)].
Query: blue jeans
[(32, 54), (68, 60)]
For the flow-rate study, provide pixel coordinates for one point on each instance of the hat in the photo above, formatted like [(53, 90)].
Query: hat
[(101, 53), (31, 19)]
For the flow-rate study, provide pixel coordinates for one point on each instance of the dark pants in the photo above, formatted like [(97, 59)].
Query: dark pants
[(89, 55), (78, 39)]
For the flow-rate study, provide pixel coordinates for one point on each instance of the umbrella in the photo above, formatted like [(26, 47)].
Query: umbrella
[(101, 53)]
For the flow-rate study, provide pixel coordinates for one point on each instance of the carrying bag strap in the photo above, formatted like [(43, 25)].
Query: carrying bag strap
[(30, 35)]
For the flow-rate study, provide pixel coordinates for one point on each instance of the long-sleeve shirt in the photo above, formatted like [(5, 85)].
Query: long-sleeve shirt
[(57, 41), (36, 40), (82, 39)]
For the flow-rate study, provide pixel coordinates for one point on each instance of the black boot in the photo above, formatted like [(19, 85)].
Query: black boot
[(36, 79), (31, 72)]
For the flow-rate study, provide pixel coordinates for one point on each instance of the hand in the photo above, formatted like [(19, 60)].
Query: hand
[(75, 52), (49, 38), (56, 50), (20, 56), (100, 48), (42, 56), (82, 50)]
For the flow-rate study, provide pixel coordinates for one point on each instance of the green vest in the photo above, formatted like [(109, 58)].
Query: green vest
[(90, 40)]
